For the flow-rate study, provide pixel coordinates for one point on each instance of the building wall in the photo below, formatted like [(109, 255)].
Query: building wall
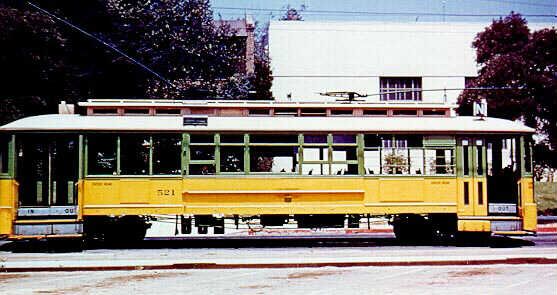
[(312, 57)]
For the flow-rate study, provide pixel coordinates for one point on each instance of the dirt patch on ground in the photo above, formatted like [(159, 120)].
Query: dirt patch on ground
[(256, 287), (473, 272), (309, 274), (113, 281), (10, 276), (137, 278)]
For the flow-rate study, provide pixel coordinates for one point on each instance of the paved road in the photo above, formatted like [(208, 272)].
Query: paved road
[(496, 279), (481, 279), (222, 253)]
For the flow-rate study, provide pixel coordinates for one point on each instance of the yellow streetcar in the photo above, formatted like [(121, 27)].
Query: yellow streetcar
[(105, 171)]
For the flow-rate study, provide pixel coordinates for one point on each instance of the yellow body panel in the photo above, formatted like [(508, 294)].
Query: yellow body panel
[(137, 196), (8, 197), (474, 225), (529, 207), (268, 195), (480, 209), (255, 195)]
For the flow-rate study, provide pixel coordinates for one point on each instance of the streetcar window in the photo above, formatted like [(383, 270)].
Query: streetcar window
[(275, 159), (405, 113), (372, 140), (4, 144), (479, 161), (104, 111), (341, 112), (466, 193), (409, 140), (202, 138), (313, 112), (202, 169), (166, 154), (202, 152), (439, 161), (231, 138), (416, 161), (259, 112), (375, 112), (349, 156), (344, 138), (388, 141), (309, 139), (480, 193), (101, 154), (465, 160), (395, 161), (134, 154), (434, 112), (136, 111), (232, 159), (344, 153), (168, 111), (273, 138), (527, 156), (372, 161), (316, 161), (286, 112)]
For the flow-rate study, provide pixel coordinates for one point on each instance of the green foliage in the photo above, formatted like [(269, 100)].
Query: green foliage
[(546, 196), (512, 57), (262, 78), (44, 62), (293, 14), (33, 63), (180, 40), (395, 164)]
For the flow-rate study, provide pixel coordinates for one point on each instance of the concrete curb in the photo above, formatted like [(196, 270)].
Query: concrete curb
[(203, 265)]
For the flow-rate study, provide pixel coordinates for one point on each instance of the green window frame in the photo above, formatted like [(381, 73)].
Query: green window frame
[(346, 146), (119, 150), (7, 155), (202, 154), (288, 145), (407, 155)]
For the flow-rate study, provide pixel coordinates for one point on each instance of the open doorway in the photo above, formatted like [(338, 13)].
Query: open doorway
[(503, 173)]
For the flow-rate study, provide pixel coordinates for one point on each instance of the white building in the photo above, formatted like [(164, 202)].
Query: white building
[(308, 58)]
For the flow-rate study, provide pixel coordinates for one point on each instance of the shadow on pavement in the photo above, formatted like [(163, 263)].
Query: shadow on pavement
[(61, 246)]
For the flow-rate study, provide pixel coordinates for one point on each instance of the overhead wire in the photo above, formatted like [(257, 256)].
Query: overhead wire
[(521, 3), (103, 42), (377, 13)]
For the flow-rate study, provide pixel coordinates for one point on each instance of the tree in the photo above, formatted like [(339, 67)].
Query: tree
[(44, 62), (33, 62), (262, 78), (521, 67), (293, 13), (179, 39)]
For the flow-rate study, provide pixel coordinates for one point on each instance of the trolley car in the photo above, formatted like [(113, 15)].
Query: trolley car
[(104, 171)]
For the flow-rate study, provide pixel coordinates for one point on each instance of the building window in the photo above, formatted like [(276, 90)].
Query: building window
[(401, 88), (469, 82)]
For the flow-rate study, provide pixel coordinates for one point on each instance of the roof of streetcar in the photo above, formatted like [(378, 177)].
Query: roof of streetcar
[(462, 124)]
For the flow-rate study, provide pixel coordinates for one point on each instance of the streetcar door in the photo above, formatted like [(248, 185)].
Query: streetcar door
[(503, 174), (473, 187), (47, 173)]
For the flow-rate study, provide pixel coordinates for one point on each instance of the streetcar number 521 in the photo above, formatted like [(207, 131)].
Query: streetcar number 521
[(165, 192)]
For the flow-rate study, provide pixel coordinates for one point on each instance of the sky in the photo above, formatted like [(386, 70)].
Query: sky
[(484, 11)]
